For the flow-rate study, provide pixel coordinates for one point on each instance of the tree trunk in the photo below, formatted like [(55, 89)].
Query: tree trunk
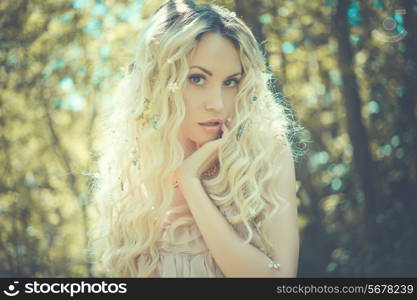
[(362, 158)]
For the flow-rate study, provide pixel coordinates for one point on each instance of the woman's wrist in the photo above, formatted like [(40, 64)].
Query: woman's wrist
[(186, 180), (182, 174)]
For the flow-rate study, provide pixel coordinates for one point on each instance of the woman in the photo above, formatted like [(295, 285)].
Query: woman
[(196, 170)]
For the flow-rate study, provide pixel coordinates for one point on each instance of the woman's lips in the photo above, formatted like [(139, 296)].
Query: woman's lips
[(211, 128)]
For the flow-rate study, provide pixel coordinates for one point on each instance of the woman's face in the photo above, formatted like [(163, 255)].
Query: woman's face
[(211, 88)]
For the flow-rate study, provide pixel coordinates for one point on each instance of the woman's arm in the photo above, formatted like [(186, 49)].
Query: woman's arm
[(282, 228), (234, 258)]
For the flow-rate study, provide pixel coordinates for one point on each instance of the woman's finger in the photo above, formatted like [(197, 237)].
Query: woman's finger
[(224, 128)]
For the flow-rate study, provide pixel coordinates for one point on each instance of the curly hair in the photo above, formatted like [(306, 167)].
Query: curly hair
[(138, 142)]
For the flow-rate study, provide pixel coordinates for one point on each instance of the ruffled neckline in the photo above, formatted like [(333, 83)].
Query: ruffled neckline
[(181, 233)]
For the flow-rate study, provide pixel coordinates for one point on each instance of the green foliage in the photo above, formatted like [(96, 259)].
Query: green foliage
[(58, 59)]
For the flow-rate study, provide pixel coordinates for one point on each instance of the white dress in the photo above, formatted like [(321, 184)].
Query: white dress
[(183, 251)]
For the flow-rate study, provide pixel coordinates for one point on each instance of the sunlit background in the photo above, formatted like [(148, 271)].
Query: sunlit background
[(347, 68)]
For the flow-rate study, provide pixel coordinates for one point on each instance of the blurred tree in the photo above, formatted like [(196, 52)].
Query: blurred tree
[(55, 61)]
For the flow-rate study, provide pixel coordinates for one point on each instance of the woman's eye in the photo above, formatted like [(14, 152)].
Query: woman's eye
[(195, 79), (236, 82)]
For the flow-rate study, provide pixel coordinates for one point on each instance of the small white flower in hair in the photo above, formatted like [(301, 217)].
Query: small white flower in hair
[(232, 14), (172, 87)]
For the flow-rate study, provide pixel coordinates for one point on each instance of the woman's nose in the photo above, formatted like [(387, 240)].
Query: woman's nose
[(215, 100)]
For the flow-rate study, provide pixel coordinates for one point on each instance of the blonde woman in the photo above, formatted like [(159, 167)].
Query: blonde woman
[(196, 169)]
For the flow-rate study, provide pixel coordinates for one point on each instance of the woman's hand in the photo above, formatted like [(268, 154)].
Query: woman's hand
[(198, 162)]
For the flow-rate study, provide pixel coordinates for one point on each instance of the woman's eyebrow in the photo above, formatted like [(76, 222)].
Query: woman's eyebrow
[(211, 74)]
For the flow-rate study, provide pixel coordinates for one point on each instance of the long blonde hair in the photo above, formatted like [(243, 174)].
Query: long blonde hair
[(139, 150)]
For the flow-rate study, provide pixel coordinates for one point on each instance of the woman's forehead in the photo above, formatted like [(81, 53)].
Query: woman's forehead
[(216, 53)]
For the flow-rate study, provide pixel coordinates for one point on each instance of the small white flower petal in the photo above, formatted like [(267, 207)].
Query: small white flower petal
[(172, 87), (274, 265)]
